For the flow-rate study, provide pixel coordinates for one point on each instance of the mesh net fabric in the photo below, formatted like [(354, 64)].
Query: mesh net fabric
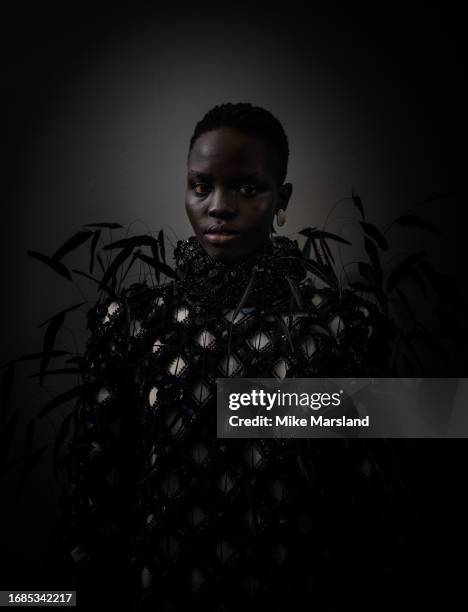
[(195, 519)]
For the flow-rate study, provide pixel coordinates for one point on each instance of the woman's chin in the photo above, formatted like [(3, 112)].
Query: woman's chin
[(227, 248), (224, 254)]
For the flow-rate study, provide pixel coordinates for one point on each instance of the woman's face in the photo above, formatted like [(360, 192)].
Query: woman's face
[(232, 193)]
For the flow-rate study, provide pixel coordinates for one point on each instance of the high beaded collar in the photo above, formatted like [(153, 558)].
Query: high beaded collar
[(207, 282)]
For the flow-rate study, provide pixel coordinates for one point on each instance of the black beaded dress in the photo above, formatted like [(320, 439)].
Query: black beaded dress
[(176, 519)]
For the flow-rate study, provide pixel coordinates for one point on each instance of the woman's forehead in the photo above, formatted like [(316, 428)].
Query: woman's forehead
[(227, 151)]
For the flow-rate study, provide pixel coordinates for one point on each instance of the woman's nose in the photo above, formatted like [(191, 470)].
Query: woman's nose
[(221, 205)]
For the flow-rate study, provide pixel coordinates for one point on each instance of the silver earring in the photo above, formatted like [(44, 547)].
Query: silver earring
[(281, 217)]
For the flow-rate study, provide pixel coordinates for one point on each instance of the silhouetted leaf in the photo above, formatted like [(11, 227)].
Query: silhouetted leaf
[(161, 245), (72, 243), (306, 231), (114, 266), (61, 399), (306, 249), (94, 242), (113, 281), (395, 276), (359, 286), (320, 272), (406, 304), (327, 252), (377, 291), (105, 288), (312, 232), (374, 233), (418, 222), (57, 266), (76, 359), (295, 292), (367, 272), (157, 265), (284, 329), (373, 254), (40, 355), (318, 257), (101, 263), (60, 439), (61, 371), (358, 203), (132, 242), (331, 271), (31, 462), (417, 277), (7, 383), (49, 339), (154, 252), (107, 225), (132, 261), (439, 196), (63, 312), (428, 270)]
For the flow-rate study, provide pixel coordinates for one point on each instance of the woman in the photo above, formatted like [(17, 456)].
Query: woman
[(181, 517)]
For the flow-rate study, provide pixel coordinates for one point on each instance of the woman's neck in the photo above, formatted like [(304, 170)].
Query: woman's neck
[(208, 282)]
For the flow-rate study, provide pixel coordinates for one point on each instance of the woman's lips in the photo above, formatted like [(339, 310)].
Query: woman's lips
[(220, 237)]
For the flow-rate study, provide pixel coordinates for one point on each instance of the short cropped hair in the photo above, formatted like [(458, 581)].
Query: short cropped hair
[(253, 121)]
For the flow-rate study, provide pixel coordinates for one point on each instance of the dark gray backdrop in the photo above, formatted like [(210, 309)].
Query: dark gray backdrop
[(99, 108)]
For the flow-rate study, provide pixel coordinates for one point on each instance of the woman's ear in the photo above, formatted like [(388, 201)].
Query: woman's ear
[(285, 192)]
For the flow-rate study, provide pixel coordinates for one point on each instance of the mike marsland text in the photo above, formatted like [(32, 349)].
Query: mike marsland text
[(294, 421)]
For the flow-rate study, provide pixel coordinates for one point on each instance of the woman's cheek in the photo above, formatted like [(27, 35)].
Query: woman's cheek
[(194, 209), (259, 208)]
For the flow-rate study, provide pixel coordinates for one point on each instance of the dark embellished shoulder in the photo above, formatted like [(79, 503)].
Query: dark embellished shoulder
[(209, 283)]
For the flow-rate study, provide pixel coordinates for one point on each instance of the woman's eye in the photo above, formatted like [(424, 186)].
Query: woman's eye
[(201, 188), (248, 190)]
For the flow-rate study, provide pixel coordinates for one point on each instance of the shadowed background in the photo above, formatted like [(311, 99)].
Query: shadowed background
[(99, 109)]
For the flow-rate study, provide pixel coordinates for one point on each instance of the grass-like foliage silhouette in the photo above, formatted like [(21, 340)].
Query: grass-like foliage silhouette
[(391, 289)]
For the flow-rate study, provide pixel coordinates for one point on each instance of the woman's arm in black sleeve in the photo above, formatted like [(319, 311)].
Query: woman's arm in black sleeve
[(98, 501)]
